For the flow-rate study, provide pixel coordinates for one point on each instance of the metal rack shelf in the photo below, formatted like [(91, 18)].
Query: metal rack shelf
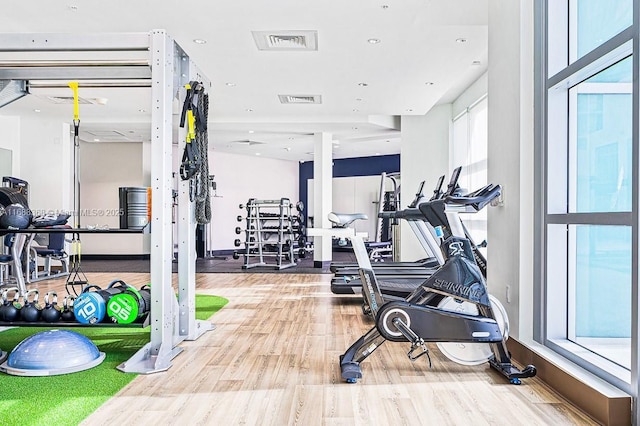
[(165, 67)]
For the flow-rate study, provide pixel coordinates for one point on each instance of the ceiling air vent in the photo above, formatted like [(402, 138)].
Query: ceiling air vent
[(11, 90), (64, 100), (106, 136), (247, 142), (300, 99), (286, 40)]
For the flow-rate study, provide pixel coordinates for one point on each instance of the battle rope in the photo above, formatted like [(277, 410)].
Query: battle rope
[(195, 160)]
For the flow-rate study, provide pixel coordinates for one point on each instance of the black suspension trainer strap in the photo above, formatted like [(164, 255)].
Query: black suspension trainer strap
[(195, 162)]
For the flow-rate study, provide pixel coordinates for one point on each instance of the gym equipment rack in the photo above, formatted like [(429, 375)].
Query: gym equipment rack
[(161, 64), (269, 234)]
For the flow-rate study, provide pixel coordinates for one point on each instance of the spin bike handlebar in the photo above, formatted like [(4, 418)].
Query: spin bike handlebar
[(478, 199)]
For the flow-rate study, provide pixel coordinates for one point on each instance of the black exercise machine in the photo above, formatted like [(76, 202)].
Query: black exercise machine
[(453, 306)]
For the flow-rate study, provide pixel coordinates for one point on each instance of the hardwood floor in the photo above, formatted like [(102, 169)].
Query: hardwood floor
[(273, 360)]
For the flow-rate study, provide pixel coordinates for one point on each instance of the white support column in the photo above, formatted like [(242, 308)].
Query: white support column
[(157, 354), (424, 157), (322, 196), (189, 327)]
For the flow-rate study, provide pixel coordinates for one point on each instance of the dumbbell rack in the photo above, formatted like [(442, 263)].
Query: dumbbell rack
[(269, 234)]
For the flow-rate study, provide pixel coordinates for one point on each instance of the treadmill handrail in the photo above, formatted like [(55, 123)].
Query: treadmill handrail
[(479, 199)]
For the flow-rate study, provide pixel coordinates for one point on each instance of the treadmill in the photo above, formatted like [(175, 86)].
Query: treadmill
[(398, 281), (419, 228), (399, 288)]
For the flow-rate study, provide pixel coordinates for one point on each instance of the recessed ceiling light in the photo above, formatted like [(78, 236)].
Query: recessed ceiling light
[(374, 40), (354, 128), (363, 84), (377, 153), (336, 146), (142, 110), (288, 148), (385, 6), (359, 99), (230, 84), (387, 140), (355, 110), (73, 8), (461, 40), (409, 110), (476, 63), (291, 139), (96, 140), (429, 83), (251, 131), (336, 142), (257, 153), (36, 110), (199, 41), (249, 110)]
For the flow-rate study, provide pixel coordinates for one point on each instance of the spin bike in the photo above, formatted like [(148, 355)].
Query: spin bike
[(451, 308)]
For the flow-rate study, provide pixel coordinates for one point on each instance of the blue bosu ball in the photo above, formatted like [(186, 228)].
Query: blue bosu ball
[(52, 352)]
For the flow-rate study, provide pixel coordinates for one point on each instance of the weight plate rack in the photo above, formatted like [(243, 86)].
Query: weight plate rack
[(270, 234)]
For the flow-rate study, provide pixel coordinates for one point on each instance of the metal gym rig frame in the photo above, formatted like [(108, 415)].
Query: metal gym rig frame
[(166, 69)]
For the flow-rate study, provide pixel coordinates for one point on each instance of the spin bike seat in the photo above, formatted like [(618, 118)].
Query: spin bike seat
[(343, 220)]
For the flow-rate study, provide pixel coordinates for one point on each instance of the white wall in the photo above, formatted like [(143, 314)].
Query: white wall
[(510, 121), (10, 140), (475, 91), (424, 156), (105, 167), (240, 177), (45, 162), (354, 194)]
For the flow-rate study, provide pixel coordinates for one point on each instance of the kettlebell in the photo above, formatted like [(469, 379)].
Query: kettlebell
[(51, 311), (10, 310), (31, 310), (67, 309), (3, 303)]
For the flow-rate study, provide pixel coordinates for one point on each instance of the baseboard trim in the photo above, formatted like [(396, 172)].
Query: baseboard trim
[(612, 407), (113, 257)]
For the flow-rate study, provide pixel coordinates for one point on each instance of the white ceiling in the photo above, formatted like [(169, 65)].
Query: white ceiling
[(418, 45)]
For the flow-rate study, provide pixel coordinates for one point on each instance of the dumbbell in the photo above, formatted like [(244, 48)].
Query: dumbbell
[(300, 206), (236, 255), (31, 310), (238, 230), (239, 218), (10, 309), (51, 311), (127, 307), (237, 242)]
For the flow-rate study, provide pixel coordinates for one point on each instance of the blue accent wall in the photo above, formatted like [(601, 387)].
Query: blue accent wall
[(346, 167)]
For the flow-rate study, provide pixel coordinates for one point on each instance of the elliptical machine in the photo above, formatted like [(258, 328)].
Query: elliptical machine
[(451, 307)]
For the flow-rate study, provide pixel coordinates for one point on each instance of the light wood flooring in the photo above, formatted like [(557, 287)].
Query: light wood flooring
[(273, 360)]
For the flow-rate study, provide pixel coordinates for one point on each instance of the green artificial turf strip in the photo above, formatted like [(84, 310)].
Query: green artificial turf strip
[(68, 399)]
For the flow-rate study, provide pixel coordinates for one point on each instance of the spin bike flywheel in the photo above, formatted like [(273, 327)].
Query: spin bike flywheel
[(472, 353)]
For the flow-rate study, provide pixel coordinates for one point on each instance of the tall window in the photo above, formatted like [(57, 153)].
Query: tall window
[(469, 150), (588, 192)]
